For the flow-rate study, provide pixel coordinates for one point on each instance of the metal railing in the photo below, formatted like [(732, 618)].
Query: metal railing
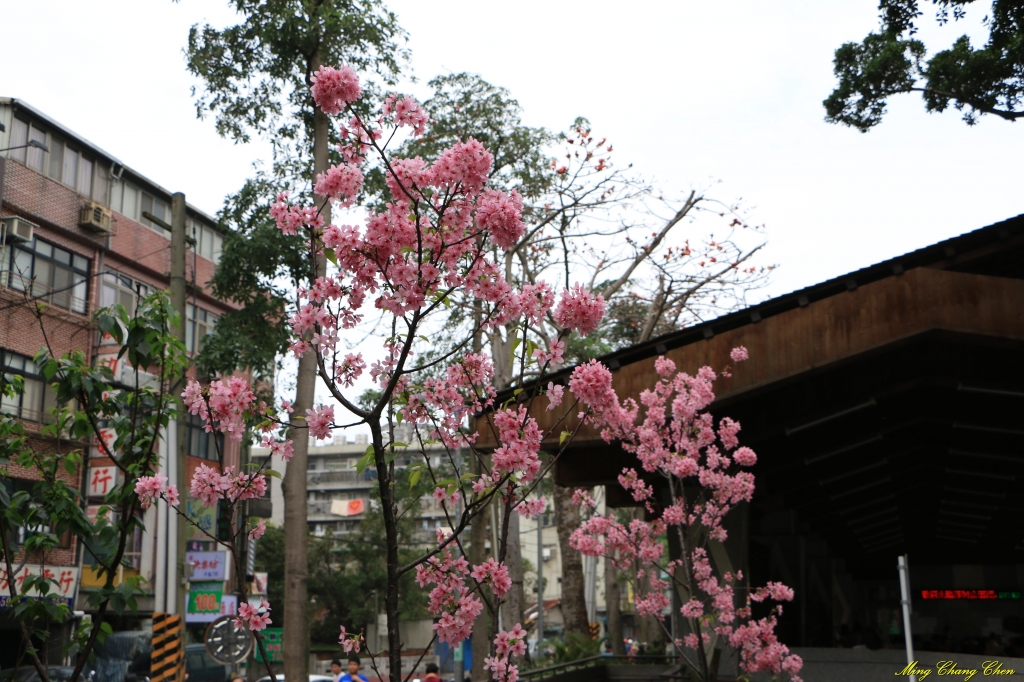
[(594, 661)]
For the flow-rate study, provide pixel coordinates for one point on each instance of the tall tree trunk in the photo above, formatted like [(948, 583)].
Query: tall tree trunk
[(613, 602), (574, 604), (513, 608), (296, 563), (482, 625)]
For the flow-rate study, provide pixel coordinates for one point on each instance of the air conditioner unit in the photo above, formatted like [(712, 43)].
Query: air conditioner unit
[(95, 218), (546, 554), (17, 230)]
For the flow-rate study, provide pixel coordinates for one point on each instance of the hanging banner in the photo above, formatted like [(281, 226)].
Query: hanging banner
[(204, 517)]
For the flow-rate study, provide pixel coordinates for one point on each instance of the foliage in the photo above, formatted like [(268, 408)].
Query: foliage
[(573, 647), (88, 399), (974, 80), (256, 79)]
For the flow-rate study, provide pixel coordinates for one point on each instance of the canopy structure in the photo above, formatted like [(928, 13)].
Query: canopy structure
[(886, 407)]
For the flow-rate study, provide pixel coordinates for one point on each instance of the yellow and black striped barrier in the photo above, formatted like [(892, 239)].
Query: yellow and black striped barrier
[(167, 662)]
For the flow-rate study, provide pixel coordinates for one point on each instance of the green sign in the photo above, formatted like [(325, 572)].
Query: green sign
[(204, 598), (273, 642)]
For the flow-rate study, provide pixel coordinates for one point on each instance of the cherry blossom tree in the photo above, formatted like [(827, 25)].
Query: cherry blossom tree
[(436, 236), (703, 469)]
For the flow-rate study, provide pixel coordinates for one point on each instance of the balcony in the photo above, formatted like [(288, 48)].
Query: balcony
[(342, 480)]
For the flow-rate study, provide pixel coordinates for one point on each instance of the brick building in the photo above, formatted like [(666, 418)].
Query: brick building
[(75, 237)]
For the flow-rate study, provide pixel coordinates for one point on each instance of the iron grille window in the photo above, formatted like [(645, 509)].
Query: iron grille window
[(37, 400), (50, 273)]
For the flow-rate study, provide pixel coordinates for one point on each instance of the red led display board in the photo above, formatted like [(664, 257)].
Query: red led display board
[(970, 594)]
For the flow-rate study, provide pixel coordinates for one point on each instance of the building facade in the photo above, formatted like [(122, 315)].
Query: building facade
[(77, 236)]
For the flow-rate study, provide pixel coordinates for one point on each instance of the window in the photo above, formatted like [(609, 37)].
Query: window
[(208, 241), (19, 138), (199, 443), (53, 274), (158, 209), (63, 163), (198, 324), (118, 288), (38, 398)]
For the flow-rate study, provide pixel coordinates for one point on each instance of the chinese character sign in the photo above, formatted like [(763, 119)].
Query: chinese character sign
[(207, 565), (101, 480), (63, 587)]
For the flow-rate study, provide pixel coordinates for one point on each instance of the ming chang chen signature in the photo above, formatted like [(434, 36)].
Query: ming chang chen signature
[(950, 668)]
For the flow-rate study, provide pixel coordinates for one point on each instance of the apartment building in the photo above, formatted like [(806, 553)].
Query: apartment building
[(338, 496), (76, 236)]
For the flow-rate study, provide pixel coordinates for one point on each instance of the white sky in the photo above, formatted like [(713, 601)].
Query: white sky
[(689, 91)]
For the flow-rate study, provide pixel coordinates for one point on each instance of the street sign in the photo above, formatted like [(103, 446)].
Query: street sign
[(204, 599), (207, 565), (102, 480), (273, 642), (227, 643), (62, 590)]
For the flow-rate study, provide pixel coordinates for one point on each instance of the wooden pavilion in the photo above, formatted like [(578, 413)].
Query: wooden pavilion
[(886, 407)]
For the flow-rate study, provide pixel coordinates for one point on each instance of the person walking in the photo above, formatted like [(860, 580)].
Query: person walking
[(432, 673), (336, 670), (353, 674)]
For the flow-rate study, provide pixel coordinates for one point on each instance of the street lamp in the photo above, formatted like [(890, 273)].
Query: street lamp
[(32, 143)]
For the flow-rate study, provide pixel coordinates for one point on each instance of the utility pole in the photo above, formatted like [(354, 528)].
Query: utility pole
[(540, 581), (178, 301)]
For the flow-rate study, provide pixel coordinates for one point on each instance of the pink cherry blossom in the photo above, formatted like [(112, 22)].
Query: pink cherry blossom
[(579, 311), (320, 421), (738, 354), (333, 89), (532, 508), (554, 395), (258, 530), (149, 488)]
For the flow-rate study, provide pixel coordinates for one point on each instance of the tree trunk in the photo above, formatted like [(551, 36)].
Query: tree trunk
[(574, 605), (612, 602), (513, 609), (482, 626), (296, 563)]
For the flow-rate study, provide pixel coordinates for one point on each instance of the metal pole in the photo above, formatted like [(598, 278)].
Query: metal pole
[(905, 601), (178, 301), (540, 581)]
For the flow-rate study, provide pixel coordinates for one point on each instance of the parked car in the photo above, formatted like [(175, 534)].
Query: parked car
[(201, 667), (27, 673)]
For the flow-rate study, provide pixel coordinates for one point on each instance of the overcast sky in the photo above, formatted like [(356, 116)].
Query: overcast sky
[(691, 92)]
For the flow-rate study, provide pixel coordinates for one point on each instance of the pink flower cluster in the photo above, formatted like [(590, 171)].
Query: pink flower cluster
[(579, 311), (532, 508), (677, 439), (506, 645), (255, 618), (209, 485), (257, 531), (494, 574), (224, 405), (320, 421), (451, 602), (334, 89), (350, 642), (520, 438), (149, 488), (342, 183), (407, 112)]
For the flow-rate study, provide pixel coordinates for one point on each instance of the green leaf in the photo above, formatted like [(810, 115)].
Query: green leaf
[(414, 477), (563, 436), (365, 460), (273, 473), (331, 256)]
